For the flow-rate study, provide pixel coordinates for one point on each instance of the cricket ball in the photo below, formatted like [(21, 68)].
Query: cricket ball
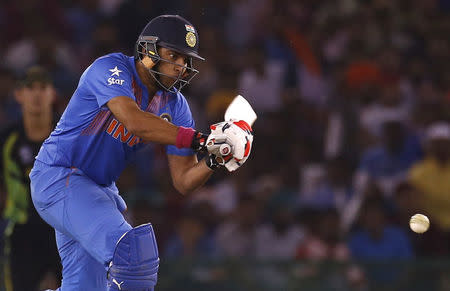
[(419, 223)]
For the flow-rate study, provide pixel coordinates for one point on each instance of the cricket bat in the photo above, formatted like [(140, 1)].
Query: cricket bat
[(239, 109)]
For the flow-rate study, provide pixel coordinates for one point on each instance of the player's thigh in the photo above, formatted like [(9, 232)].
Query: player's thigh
[(92, 217), (80, 270), (79, 208)]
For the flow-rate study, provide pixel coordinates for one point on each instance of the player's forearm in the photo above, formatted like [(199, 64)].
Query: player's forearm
[(193, 178), (147, 126), (152, 128)]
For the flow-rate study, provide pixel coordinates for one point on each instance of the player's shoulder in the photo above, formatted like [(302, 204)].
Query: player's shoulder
[(116, 64), (113, 57), (180, 101), (114, 68)]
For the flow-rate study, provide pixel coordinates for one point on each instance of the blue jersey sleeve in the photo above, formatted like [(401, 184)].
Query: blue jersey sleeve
[(182, 117), (108, 77)]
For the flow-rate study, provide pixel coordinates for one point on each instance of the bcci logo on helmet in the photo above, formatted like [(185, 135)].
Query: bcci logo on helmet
[(191, 40)]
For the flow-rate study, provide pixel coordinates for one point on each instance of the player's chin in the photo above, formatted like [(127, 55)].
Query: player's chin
[(168, 82)]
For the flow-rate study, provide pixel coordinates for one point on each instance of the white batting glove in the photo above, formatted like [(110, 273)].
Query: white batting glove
[(240, 136), (217, 142), (230, 142)]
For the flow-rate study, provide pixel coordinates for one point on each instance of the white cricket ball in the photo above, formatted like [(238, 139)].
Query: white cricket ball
[(419, 223)]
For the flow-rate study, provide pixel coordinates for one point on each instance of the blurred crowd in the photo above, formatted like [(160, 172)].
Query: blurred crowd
[(353, 133)]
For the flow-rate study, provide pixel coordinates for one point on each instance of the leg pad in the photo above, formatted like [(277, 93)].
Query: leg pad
[(135, 262)]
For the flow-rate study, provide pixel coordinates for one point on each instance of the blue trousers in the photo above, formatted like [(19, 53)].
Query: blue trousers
[(87, 219)]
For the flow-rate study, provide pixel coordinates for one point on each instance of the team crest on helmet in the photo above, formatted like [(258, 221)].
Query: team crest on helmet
[(191, 39), (166, 116)]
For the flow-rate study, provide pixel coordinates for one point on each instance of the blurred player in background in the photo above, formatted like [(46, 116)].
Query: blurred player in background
[(121, 103), (30, 242)]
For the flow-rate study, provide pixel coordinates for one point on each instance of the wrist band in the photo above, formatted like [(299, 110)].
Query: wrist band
[(184, 137)]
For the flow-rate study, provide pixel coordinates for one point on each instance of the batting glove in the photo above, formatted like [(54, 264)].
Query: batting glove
[(230, 143), (199, 141)]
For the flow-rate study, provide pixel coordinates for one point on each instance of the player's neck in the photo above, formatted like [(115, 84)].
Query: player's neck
[(147, 79), (38, 126)]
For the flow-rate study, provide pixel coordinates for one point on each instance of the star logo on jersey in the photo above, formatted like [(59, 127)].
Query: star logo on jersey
[(115, 71)]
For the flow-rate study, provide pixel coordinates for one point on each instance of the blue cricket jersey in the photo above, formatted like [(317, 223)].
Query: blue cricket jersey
[(90, 138)]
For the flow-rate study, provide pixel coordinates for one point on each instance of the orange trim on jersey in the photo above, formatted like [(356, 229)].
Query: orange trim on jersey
[(97, 123), (70, 174), (101, 121), (105, 122), (158, 101), (88, 130), (137, 91)]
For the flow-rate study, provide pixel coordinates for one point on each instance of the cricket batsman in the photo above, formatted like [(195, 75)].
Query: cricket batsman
[(120, 103)]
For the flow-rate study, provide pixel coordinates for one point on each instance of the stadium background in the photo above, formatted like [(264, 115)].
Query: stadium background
[(336, 84)]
